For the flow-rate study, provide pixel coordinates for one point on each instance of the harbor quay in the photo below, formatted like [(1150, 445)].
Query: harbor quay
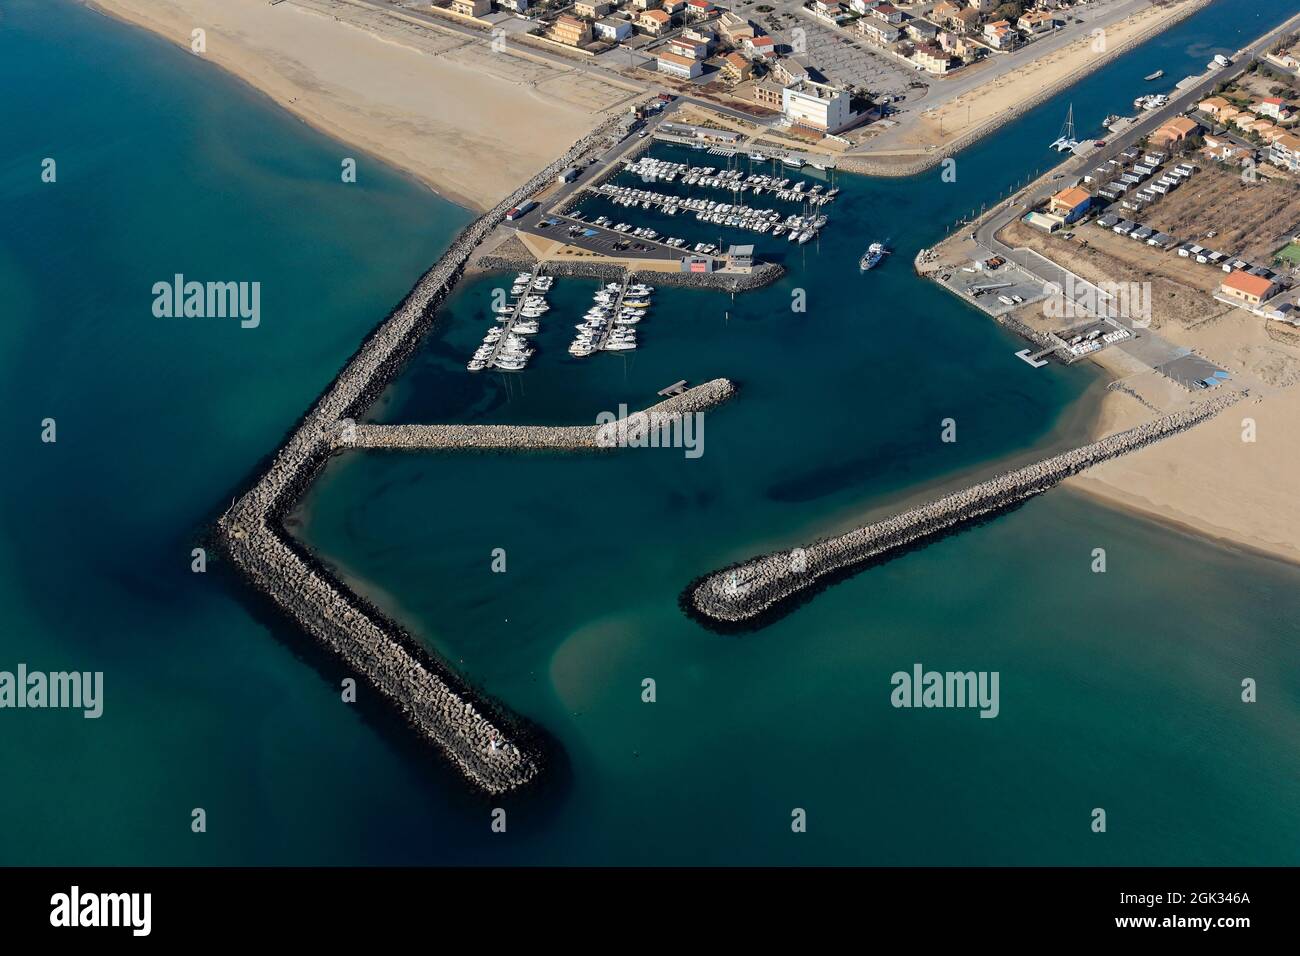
[(762, 274), (753, 589), (474, 735)]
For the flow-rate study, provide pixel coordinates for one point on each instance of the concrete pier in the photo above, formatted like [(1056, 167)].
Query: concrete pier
[(750, 589)]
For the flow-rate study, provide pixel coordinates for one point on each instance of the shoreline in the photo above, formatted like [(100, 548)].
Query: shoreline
[(756, 592), (865, 164), (362, 89), (310, 120)]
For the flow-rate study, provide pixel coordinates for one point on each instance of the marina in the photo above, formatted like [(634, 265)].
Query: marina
[(734, 216), (503, 346), (587, 621), (609, 325), (653, 170)]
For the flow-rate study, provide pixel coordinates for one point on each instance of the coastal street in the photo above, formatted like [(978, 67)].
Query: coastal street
[(1145, 345), (944, 90)]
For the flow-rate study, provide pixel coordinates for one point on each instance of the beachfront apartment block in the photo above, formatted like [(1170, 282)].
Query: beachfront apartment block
[(1252, 290), (817, 106), (570, 30), (471, 8), (674, 64), (788, 69)]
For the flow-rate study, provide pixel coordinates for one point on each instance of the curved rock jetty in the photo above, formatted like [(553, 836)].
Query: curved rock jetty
[(477, 741), (754, 587), (526, 437)]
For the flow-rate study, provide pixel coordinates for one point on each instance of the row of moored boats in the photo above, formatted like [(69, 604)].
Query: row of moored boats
[(610, 323), (707, 210), (505, 347), (655, 170)]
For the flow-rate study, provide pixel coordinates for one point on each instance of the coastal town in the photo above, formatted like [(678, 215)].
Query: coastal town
[(706, 148), (608, 435), (836, 75)]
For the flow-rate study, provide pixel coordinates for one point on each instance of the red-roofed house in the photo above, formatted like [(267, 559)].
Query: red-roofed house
[(1246, 288), (654, 22), (760, 47)]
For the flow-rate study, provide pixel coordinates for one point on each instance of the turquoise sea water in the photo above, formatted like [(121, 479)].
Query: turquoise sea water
[(1117, 690)]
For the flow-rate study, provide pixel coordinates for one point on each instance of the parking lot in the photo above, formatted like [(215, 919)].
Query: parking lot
[(595, 239), (845, 61), (983, 287), (1191, 371)]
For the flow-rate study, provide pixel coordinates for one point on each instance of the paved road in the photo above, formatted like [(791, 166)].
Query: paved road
[(947, 89), (1145, 345)]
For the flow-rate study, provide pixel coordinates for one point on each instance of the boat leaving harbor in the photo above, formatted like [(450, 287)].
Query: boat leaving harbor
[(874, 255)]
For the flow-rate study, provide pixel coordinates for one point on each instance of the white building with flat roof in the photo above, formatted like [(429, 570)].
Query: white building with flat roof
[(817, 106)]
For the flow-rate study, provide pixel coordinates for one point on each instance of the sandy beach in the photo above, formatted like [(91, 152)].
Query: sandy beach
[(1212, 479), (961, 119), (435, 103)]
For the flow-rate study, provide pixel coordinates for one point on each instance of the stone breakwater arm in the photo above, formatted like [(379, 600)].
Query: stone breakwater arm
[(755, 586), (523, 437), (425, 692)]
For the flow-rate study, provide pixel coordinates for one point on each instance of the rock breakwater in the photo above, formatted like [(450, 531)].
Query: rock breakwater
[(540, 437), (468, 732), (756, 587)]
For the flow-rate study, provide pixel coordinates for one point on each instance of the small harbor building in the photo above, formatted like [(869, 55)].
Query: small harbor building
[(1248, 289)]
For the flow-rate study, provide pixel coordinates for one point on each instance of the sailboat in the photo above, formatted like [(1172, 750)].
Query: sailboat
[(1066, 141)]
